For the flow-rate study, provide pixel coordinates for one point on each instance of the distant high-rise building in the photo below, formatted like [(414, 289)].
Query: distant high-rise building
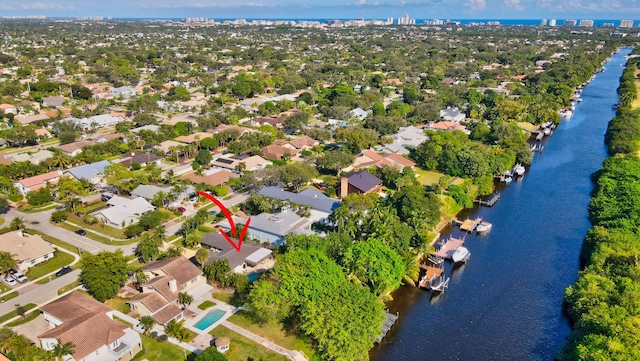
[(404, 20), (552, 22), (570, 22), (626, 23), (412, 21), (543, 22), (586, 22), (389, 21)]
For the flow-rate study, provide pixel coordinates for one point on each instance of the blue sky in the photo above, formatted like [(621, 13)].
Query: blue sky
[(336, 9)]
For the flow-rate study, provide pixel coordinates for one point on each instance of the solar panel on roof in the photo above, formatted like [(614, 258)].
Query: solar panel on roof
[(225, 161)]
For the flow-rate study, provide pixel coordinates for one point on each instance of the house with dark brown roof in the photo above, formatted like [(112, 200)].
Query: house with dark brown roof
[(301, 143), (141, 158), (370, 158), (90, 326), (274, 122), (167, 278), (215, 177), (75, 148), (360, 183)]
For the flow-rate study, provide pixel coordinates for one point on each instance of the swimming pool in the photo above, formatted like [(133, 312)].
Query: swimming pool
[(212, 317), (253, 276)]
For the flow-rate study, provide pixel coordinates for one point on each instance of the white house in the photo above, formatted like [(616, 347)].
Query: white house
[(125, 211), (27, 250)]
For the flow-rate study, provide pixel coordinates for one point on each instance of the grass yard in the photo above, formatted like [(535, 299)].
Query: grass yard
[(154, 351), (206, 304), (59, 260), (427, 178), (1, 220), (14, 313), (93, 236), (273, 332), (118, 304), (27, 318), (106, 230), (243, 349), (527, 126), (89, 208), (68, 287)]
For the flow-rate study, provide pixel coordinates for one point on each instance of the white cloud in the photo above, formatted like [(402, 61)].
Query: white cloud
[(476, 5), (514, 4), (42, 6), (5, 7), (362, 2)]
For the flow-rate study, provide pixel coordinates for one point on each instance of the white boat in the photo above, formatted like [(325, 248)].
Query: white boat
[(439, 284), (579, 100), (484, 227), (566, 114), (461, 254), (547, 131), (508, 180), (519, 169)]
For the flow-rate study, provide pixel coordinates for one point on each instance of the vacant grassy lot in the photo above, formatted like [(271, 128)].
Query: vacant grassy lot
[(427, 178), (273, 332), (243, 349)]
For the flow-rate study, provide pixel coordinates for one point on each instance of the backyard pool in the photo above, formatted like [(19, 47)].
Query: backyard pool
[(253, 276), (209, 319)]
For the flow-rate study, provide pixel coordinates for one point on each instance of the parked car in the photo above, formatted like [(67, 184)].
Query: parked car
[(18, 276), (182, 209), (81, 232), (9, 281), (63, 271)]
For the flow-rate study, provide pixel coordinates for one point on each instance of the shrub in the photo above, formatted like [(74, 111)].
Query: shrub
[(133, 230), (220, 191), (58, 216), (89, 219)]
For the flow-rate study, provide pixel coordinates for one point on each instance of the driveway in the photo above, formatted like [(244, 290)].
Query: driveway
[(40, 222)]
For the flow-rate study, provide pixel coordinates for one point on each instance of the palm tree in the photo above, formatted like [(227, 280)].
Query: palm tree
[(7, 262), (241, 167), (184, 299), (202, 256), (62, 349), (174, 327), (147, 323), (17, 223)]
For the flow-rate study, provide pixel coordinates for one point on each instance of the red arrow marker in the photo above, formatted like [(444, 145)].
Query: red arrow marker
[(226, 213)]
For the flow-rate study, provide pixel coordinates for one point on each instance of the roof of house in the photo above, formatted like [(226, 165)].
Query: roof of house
[(364, 181), (24, 247), (167, 144), (280, 223), (134, 207), (304, 141), (308, 197), (53, 101), (148, 191), (220, 176), (225, 127), (151, 127), (40, 179), (230, 161), (72, 147), (28, 119), (5, 159), (180, 268), (248, 252), (107, 137), (141, 158), (271, 121), (89, 171), (84, 322), (165, 315), (275, 151)]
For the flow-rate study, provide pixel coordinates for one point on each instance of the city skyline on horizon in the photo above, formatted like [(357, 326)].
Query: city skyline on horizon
[(331, 9)]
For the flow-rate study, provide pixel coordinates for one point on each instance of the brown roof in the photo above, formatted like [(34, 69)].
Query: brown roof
[(179, 268), (161, 284), (214, 179), (153, 301), (271, 121), (40, 179), (72, 147), (304, 141), (166, 314), (275, 151), (85, 323), (397, 158), (139, 158), (222, 341), (5, 159)]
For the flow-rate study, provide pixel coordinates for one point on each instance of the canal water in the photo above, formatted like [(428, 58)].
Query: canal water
[(506, 302)]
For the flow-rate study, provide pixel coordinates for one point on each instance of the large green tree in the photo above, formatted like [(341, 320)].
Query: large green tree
[(104, 273)]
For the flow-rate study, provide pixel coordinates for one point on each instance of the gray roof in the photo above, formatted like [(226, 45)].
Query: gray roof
[(89, 171), (279, 224), (151, 127), (134, 207), (364, 180), (222, 249), (147, 191), (308, 197)]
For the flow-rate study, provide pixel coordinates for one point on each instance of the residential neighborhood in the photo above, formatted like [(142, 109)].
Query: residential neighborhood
[(338, 150)]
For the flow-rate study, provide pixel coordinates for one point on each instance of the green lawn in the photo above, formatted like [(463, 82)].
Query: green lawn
[(27, 318), (59, 260), (39, 209), (14, 313), (91, 207), (106, 230), (118, 304), (9, 296), (206, 304), (273, 332), (93, 236), (527, 126), (68, 287), (427, 178), (152, 350), (242, 348)]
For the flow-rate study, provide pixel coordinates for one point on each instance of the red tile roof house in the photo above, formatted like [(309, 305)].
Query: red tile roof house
[(90, 326), (274, 122), (34, 183), (9, 108), (370, 158), (167, 278), (302, 143), (360, 183)]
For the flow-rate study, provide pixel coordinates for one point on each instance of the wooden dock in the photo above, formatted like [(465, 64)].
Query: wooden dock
[(431, 274), (448, 247), (470, 225), (489, 202), (389, 320)]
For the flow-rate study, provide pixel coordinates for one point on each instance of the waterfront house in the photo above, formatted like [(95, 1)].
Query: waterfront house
[(272, 228), (90, 326), (360, 183), (250, 254), (321, 205)]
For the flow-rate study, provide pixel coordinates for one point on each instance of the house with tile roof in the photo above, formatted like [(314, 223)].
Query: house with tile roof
[(274, 151), (359, 183), (27, 250), (301, 143), (167, 278), (368, 158), (74, 148), (34, 158), (27, 185), (231, 161), (272, 227), (250, 254), (212, 177), (90, 326)]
